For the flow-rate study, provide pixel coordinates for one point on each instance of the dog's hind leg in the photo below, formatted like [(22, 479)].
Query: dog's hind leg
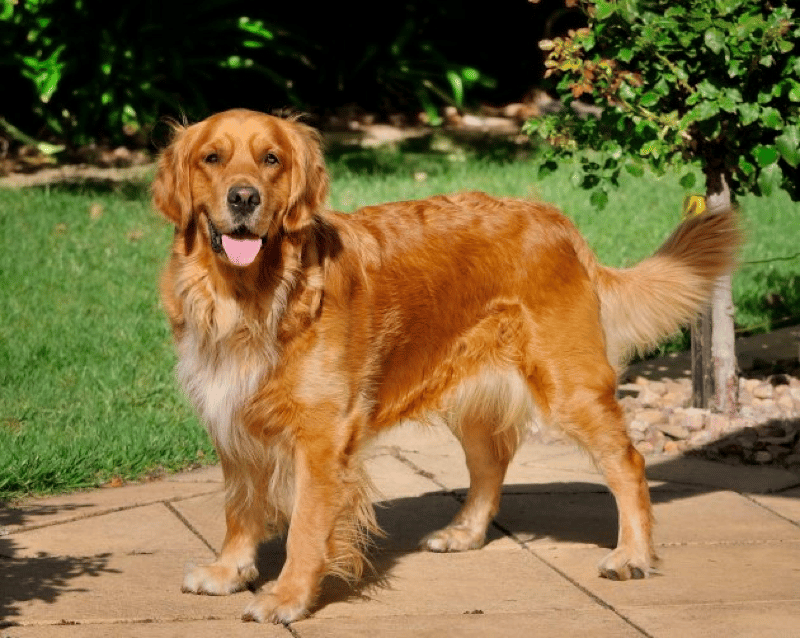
[(489, 420), (487, 469), (595, 420)]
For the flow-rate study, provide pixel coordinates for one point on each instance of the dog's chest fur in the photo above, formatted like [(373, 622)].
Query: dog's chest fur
[(218, 386), (222, 359)]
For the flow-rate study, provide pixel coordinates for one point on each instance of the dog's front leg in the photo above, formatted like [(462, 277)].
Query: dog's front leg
[(317, 504), (246, 526)]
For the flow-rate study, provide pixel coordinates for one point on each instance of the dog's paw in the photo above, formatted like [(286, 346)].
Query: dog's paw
[(218, 578), (619, 565), (453, 539), (268, 607)]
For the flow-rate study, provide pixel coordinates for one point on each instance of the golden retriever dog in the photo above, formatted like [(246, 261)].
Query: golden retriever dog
[(302, 333)]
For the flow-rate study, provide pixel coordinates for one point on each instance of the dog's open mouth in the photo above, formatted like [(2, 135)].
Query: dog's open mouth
[(241, 247)]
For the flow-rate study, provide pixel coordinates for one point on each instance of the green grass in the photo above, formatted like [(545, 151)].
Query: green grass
[(87, 390), (86, 384)]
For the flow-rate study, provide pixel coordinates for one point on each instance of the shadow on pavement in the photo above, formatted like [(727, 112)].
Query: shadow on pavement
[(41, 577)]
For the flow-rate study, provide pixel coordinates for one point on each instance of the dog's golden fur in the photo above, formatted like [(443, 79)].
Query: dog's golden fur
[(489, 312)]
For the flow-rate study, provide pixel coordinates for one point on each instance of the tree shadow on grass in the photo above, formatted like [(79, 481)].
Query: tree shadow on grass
[(41, 577), (131, 190), (433, 152)]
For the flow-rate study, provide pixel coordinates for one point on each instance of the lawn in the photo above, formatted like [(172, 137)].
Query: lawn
[(87, 392)]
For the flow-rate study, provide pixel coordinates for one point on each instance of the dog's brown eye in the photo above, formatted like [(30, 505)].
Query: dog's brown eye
[(211, 158), (271, 159)]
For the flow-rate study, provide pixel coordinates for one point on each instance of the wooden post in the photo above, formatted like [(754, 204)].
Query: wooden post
[(723, 348), (715, 382), (702, 363)]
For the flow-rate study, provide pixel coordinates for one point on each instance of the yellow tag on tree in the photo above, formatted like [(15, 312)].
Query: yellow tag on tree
[(693, 205)]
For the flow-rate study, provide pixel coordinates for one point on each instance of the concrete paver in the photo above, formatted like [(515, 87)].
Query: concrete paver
[(110, 562), (581, 622), (198, 628), (741, 619), (785, 504), (75, 506), (692, 574), (507, 580), (742, 479)]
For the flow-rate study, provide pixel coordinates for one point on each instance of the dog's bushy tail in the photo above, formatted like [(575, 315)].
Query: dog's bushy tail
[(641, 306)]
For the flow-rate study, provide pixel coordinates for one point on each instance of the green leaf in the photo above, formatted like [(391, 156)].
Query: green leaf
[(707, 90), (765, 155), (769, 179), (649, 99), (746, 167), (636, 170), (749, 112), (625, 54), (626, 92), (470, 74), (604, 10), (599, 199), (456, 86), (771, 118), (703, 111), (788, 145), (546, 168), (688, 180), (729, 100), (794, 91), (714, 39), (675, 11), (652, 148)]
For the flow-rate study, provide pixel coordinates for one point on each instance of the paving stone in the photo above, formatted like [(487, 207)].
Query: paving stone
[(392, 478), (582, 622), (74, 506), (745, 479), (590, 519), (109, 589), (785, 504), (561, 519), (692, 574), (715, 517), (406, 521), (136, 531), (573, 459), (719, 619), (206, 515), (200, 628), (444, 464), (121, 566), (423, 583), (205, 474)]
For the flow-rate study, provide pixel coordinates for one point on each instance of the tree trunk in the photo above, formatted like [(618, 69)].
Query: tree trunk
[(722, 367)]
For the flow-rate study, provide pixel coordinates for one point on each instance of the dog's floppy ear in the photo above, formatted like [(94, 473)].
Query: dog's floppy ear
[(171, 188), (309, 179)]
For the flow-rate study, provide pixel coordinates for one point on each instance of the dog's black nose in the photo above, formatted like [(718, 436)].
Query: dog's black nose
[(242, 200)]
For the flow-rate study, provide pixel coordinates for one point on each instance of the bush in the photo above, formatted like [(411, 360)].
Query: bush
[(107, 69), (92, 70)]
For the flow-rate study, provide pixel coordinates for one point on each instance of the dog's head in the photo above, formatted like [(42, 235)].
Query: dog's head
[(240, 178)]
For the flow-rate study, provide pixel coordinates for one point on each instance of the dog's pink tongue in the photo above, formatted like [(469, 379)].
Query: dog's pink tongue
[(240, 252)]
